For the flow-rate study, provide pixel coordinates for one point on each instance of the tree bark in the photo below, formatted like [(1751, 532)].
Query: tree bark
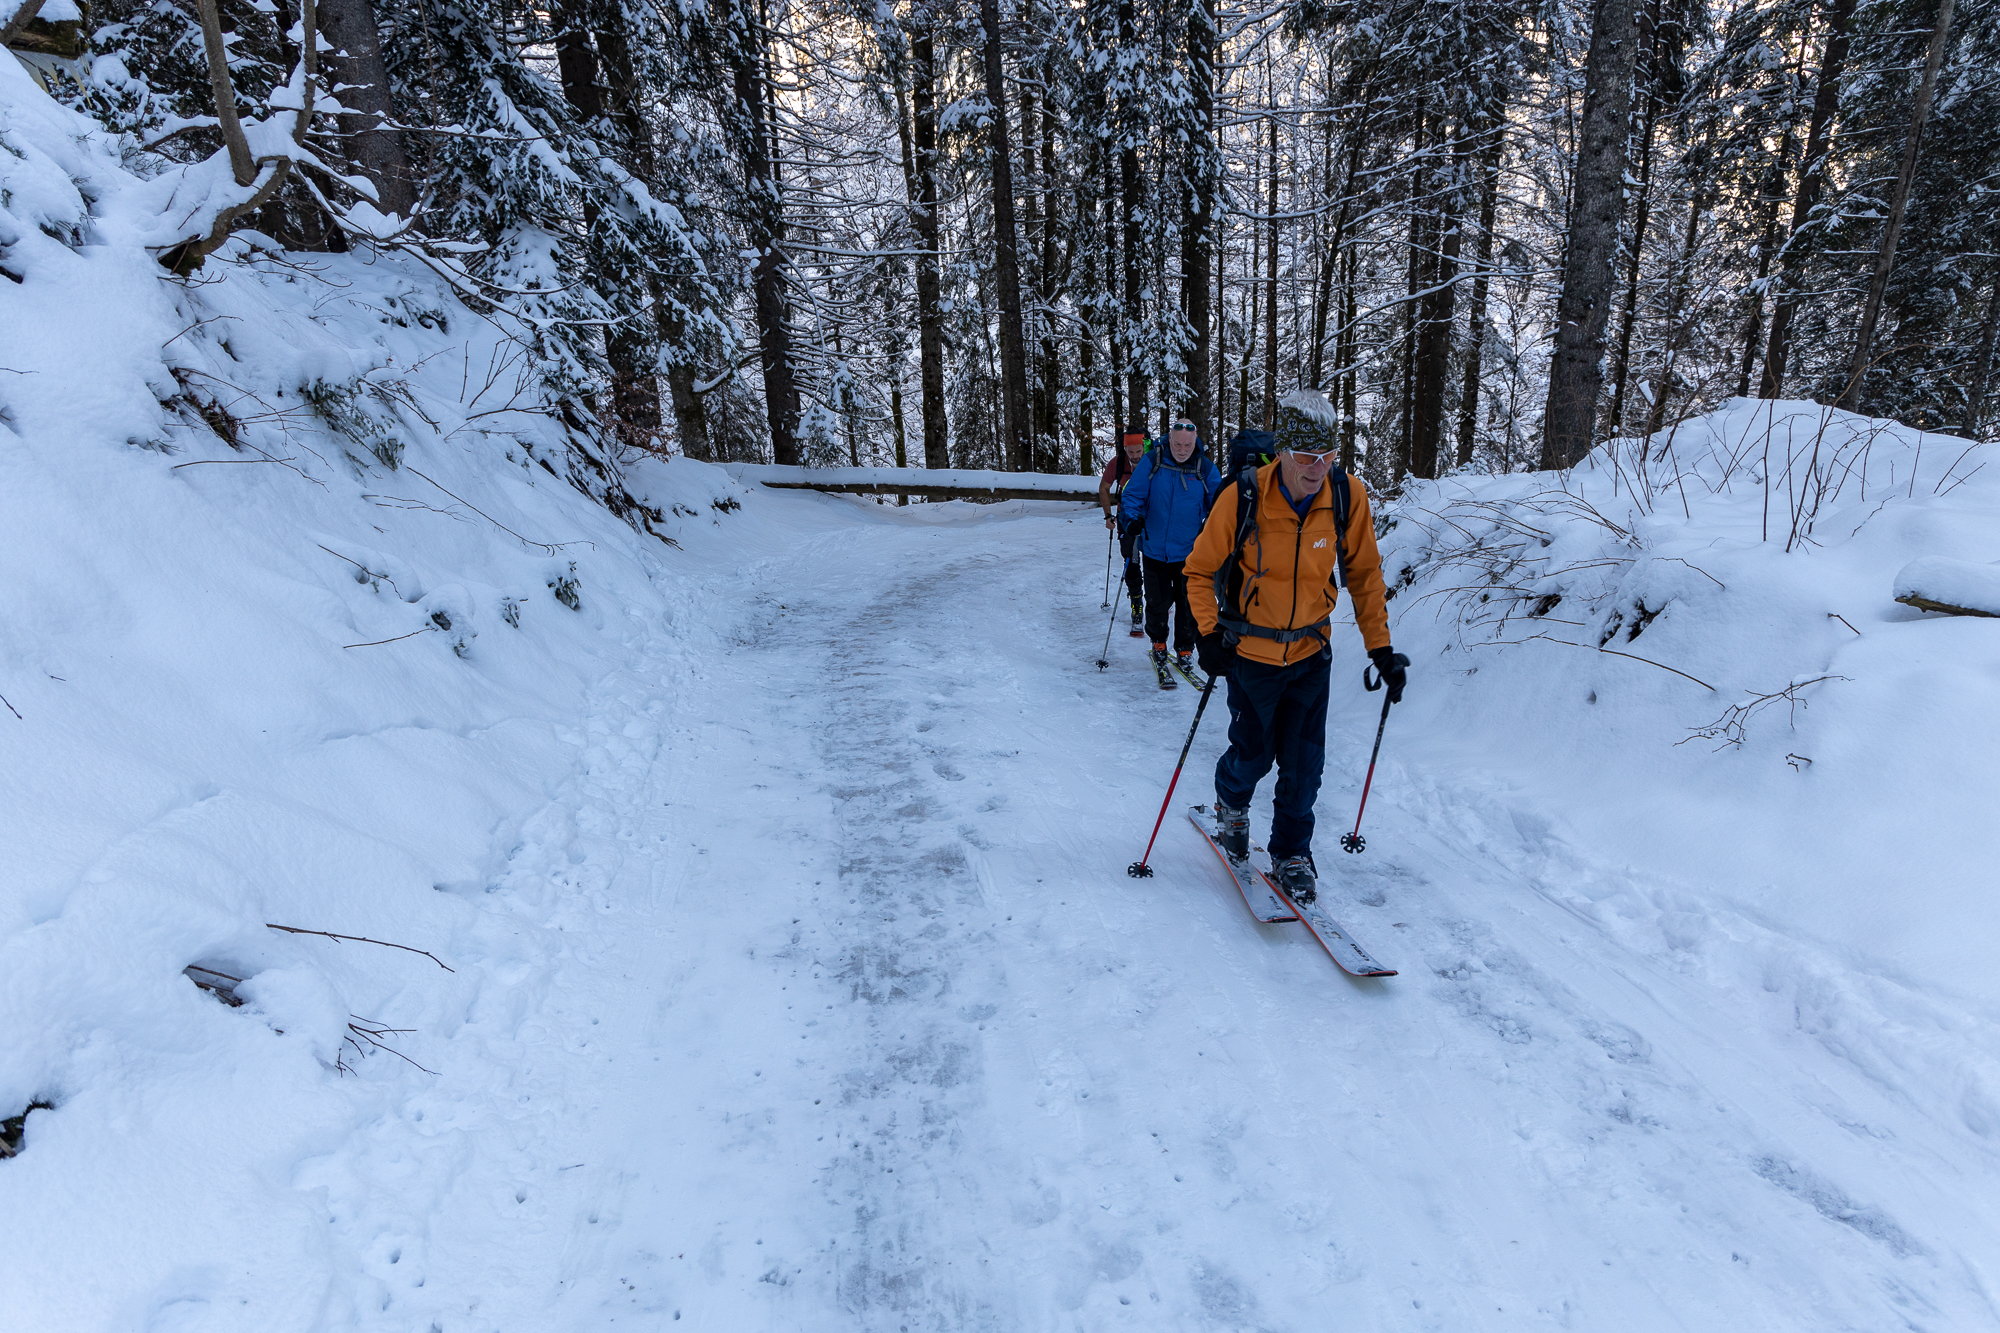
[(1482, 269), (368, 107), (1271, 273), (1885, 258), (1198, 229), (764, 222), (1812, 179), (924, 215), (1439, 319), (1753, 332), (1350, 422), (1679, 322), (1576, 375), (1409, 313), (1642, 210), (1982, 366), (1007, 257), (1336, 242), (1053, 274)]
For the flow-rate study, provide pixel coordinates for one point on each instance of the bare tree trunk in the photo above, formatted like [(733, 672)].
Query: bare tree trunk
[(1337, 240), (1034, 309), (362, 78), (1007, 256), (1416, 269), (930, 285), (1753, 330), (1885, 258), (896, 414), (1114, 260), (1679, 320), (1576, 373), (1271, 275), (1439, 319), (1482, 269), (1200, 220), (1053, 273), (1642, 211), (1982, 366), (764, 225), (1132, 309), (1350, 422), (1252, 291), (1812, 179), (635, 394)]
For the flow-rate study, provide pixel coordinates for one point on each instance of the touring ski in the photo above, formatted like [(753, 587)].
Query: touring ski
[(1160, 669), (1263, 901), (1186, 673), (1336, 939)]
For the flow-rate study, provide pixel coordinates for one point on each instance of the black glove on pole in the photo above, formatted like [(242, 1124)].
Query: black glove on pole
[(1393, 670), (1387, 661), (1139, 869), (1216, 653)]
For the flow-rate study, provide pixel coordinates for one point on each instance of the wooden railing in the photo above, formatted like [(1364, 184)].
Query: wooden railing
[(925, 483)]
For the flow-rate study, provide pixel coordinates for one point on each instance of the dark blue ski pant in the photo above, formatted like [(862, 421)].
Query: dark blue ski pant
[(1277, 715)]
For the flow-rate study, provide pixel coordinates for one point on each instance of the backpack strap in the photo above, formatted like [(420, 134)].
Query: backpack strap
[(1343, 511)]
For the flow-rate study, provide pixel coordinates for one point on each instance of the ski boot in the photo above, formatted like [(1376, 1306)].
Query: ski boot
[(1138, 617), (1232, 830), (1184, 663), (1298, 878)]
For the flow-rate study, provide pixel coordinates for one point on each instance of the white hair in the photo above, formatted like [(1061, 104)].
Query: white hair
[(1312, 404)]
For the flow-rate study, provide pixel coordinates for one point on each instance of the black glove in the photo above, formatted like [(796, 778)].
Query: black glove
[(1393, 668), (1215, 653)]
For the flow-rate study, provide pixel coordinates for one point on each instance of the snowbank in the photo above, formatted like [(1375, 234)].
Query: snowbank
[(1688, 645), (301, 622)]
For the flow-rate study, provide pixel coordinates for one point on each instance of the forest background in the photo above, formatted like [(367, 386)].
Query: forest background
[(962, 233)]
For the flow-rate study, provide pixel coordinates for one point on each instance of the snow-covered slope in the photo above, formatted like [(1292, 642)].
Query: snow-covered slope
[(785, 974)]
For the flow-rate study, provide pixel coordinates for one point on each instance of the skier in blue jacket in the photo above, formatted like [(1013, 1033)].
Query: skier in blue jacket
[(1168, 499)]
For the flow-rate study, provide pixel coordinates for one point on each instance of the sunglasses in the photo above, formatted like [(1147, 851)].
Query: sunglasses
[(1312, 457), (1183, 425)]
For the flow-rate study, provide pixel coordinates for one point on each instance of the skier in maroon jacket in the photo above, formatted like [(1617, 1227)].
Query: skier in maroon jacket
[(1110, 488)]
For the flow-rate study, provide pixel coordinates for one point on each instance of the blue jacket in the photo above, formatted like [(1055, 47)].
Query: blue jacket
[(1171, 500)]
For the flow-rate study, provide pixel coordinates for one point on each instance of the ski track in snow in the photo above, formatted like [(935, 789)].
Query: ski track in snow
[(827, 1005)]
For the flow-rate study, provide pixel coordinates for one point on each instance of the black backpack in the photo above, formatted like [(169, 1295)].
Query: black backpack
[(1254, 447), (1229, 578)]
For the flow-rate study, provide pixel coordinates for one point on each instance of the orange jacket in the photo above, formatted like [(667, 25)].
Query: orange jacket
[(1288, 569)]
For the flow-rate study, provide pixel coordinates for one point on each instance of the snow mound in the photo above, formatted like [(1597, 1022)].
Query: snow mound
[(306, 594), (1937, 583), (1687, 637)]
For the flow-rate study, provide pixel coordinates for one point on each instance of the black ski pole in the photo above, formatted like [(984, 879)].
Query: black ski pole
[(1110, 545), (1354, 842), (1139, 869), (1104, 659)]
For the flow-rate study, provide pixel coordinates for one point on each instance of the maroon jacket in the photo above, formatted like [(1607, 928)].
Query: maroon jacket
[(1116, 473)]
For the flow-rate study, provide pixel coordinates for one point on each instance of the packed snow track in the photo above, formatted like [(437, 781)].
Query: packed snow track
[(880, 1036)]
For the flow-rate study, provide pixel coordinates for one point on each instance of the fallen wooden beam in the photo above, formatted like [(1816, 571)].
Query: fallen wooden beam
[(1955, 587), (925, 483)]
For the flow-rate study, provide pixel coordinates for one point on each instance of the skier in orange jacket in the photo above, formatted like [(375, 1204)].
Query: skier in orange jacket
[(1265, 620)]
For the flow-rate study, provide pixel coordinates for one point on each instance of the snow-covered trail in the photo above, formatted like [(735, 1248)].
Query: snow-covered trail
[(869, 1030)]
